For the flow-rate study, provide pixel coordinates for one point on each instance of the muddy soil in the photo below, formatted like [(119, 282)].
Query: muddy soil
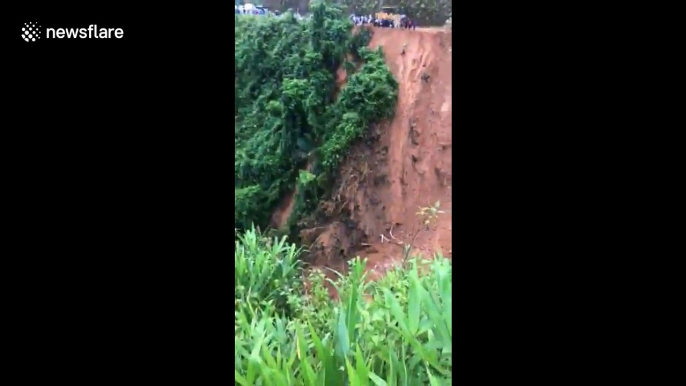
[(403, 165)]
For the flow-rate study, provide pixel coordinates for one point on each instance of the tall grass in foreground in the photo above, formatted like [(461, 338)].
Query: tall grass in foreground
[(267, 272), (397, 331)]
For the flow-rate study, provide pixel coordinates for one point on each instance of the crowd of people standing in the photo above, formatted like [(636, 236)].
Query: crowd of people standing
[(404, 22), (360, 20)]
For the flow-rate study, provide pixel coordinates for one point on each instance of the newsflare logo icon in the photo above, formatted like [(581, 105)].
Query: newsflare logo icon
[(30, 32)]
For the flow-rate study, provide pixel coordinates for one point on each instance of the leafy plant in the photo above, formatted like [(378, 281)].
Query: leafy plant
[(267, 272), (426, 216), (429, 214), (396, 331)]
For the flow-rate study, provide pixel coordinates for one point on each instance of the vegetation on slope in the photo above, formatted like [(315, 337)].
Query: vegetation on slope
[(396, 331), (286, 116)]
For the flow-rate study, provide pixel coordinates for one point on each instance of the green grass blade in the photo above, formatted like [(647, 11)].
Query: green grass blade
[(241, 380), (361, 368), (328, 374), (306, 368), (396, 311), (414, 303), (353, 379), (377, 380), (342, 337), (433, 380)]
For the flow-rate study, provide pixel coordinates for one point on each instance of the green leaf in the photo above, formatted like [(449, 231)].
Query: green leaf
[(327, 375), (241, 380), (353, 379), (377, 381), (305, 367), (396, 311), (342, 337), (414, 302), (361, 368)]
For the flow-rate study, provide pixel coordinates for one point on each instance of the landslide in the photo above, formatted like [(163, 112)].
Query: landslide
[(402, 164)]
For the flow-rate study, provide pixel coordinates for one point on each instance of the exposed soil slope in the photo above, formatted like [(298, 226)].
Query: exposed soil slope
[(405, 164)]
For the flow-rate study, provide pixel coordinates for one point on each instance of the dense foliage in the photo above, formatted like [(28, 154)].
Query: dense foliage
[(287, 117), (396, 331)]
